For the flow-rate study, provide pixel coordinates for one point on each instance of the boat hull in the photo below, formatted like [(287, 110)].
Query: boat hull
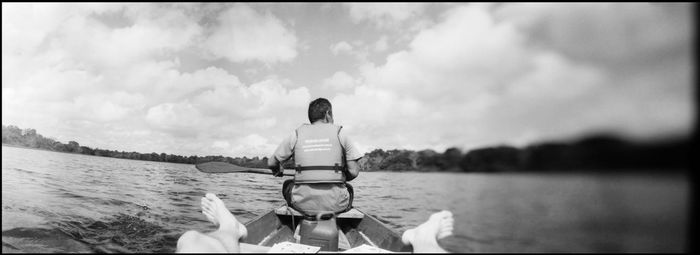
[(358, 228)]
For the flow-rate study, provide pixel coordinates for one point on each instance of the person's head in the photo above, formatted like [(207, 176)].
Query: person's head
[(320, 109)]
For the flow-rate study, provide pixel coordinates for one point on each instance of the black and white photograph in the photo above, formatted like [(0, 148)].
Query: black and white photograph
[(348, 127)]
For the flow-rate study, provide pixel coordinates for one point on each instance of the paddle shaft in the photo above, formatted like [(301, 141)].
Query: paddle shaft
[(265, 171), (221, 167)]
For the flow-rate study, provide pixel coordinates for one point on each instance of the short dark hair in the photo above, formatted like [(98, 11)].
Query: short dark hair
[(318, 109)]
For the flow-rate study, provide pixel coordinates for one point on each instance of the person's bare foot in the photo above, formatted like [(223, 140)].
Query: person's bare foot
[(424, 237), (216, 212), (446, 225)]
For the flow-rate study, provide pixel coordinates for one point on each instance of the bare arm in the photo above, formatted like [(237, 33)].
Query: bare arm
[(353, 170), (283, 152), (353, 157), (272, 162)]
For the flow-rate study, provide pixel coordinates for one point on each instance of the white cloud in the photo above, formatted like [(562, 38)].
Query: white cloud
[(230, 112), (340, 81), (381, 44), (69, 71), (479, 75), (260, 123), (476, 81), (632, 32), (385, 15), (179, 119), (20, 36), (222, 145), (640, 47), (378, 118), (467, 52), (93, 44), (108, 107), (236, 99), (275, 98), (558, 77), (341, 47), (253, 145), (243, 34), (357, 49)]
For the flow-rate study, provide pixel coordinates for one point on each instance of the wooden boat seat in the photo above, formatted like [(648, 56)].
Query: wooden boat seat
[(352, 214)]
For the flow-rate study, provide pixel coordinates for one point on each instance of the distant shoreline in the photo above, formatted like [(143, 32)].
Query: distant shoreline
[(42, 149), (237, 169), (597, 153), (39, 149), (213, 170)]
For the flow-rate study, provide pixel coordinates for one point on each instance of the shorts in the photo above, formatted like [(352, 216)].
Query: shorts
[(310, 199)]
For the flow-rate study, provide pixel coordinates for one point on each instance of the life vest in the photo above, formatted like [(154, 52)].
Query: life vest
[(318, 154)]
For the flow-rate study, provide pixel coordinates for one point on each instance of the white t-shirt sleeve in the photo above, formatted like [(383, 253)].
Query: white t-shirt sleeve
[(286, 148), (352, 151)]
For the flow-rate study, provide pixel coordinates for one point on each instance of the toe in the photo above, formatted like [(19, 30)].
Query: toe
[(242, 230), (408, 236), (445, 214)]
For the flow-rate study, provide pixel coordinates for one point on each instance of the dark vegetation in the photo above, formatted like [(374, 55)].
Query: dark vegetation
[(13, 135), (600, 153)]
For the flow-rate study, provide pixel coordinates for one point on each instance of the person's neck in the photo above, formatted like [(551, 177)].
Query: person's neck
[(320, 122)]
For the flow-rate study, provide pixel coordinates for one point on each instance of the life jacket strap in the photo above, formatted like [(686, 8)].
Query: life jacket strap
[(337, 168)]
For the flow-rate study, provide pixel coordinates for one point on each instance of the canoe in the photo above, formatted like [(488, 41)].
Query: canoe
[(356, 228)]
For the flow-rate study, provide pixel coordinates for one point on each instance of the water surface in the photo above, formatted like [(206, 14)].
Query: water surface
[(60, 202)]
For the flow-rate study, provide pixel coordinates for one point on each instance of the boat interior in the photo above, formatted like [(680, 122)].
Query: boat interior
[(355, 229)]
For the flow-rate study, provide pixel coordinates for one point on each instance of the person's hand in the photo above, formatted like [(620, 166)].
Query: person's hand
[(276, 171)]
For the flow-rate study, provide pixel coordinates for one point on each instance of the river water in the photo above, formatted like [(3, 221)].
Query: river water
[(59, 202)]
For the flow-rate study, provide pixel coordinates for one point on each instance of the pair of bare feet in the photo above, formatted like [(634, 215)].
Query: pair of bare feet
[(226, 238)]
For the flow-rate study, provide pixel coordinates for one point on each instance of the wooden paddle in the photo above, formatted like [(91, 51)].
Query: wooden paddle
[(224, 167)]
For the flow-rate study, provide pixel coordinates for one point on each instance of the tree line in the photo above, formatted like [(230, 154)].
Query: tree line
[(30, 138), (597, 153), (593, 153)]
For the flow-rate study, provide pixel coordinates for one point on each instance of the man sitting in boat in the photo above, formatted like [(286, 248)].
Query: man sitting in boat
[(325, 159), (230, 231)]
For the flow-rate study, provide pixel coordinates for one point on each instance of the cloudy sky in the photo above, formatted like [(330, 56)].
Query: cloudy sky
[(234, 79)]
